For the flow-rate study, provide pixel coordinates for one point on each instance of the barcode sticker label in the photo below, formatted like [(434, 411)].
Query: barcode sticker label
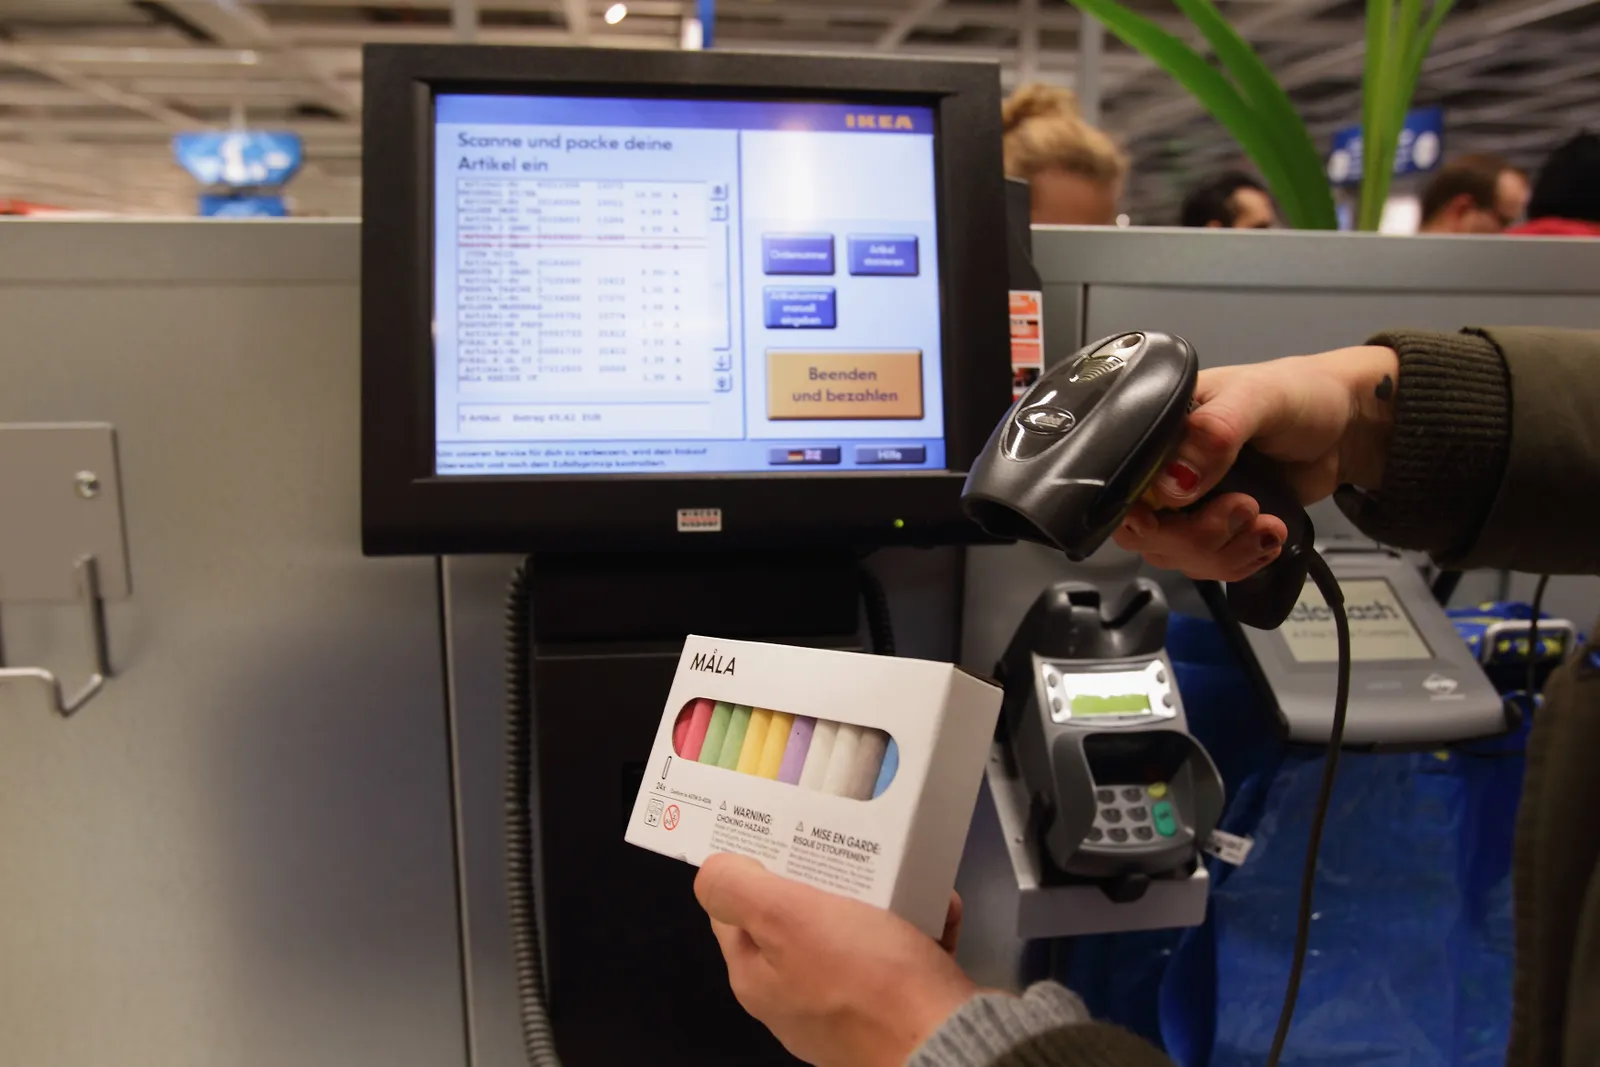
[(1229, 848)]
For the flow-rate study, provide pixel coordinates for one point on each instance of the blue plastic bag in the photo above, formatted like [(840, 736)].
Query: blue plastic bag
[(1410, 957)]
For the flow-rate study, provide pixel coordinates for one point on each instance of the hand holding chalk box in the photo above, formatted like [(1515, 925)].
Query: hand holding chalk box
[(855, 774)]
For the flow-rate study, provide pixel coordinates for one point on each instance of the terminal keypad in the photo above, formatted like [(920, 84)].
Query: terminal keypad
[(1133, 815)]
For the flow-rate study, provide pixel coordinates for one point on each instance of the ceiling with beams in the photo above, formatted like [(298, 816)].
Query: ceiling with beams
[(91, 91)]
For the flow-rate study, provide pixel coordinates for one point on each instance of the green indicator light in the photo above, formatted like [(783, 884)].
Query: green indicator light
[(899, 524), (1126, 704)]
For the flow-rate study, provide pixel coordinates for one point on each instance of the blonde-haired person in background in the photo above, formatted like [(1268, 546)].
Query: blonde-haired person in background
[(1074, 171)]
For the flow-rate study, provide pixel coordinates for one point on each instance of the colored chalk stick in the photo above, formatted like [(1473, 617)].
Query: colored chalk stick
[(680, 728), (755, 740), (777, 743), (733, 744), (842, 762), (816, 768), (694, 737), (794, 753), (867, 763), (716, 732), (891, 765)]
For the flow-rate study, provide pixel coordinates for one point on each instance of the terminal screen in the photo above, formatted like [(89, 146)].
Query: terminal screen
[(1380, 627), (660, 286)]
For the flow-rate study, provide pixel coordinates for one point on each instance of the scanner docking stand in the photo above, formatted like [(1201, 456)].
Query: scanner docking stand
[(1104, 798)]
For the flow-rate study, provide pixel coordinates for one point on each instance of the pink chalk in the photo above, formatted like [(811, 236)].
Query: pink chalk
[(689, 732)]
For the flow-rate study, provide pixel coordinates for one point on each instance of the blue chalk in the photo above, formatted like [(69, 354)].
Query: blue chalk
[(891, 763)]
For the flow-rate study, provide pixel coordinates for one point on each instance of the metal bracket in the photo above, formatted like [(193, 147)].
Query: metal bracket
[(87, 575), (62, 538)]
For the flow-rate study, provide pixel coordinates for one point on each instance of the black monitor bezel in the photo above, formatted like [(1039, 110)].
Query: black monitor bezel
[(407, 509)]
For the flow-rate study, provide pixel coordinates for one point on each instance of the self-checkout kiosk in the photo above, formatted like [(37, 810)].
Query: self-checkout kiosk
[(693, 334)]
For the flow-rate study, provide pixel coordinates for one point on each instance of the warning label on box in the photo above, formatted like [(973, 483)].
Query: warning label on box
[(833, 860), (740, 828)]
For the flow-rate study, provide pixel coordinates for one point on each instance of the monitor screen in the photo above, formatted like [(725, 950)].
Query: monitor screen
[(1380, 627), (667, 286)]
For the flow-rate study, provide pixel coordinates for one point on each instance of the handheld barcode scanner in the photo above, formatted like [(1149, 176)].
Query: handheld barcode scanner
[(1087, 440), (1117, 791)]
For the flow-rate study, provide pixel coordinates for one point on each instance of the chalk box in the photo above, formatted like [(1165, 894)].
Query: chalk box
[(882, 818)]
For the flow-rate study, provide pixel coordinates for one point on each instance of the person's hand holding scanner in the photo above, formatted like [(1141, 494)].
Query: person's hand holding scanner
[(839, 982), (1324, 418)]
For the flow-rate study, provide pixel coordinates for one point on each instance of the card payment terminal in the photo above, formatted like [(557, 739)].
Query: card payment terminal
[(1413, 682), (1118, 791)]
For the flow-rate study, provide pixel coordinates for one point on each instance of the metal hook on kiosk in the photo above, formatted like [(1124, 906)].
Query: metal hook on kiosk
[(88, 582)]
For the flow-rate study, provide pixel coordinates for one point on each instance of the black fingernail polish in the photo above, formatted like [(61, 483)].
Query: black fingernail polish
[(1268, 542)]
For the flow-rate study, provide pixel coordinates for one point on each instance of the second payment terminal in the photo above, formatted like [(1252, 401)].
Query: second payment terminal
[(1413, 682)]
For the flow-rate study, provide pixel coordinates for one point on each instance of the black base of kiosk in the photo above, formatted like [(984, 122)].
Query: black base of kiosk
[(633, 972)]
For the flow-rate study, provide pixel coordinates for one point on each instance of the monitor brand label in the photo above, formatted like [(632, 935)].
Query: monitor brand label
[(699, 520)]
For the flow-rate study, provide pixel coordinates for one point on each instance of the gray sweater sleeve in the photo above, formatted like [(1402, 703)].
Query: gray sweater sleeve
[(1047, 1026)]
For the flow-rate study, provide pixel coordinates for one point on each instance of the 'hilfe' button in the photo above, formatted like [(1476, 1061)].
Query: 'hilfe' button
[(866, 454), (786, 457), (799, 309), (883, 254), (797, 253)]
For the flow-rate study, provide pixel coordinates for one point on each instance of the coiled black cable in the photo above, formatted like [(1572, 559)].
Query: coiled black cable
[(880, 624), (538, 1039), (1533, 642), (1328, 586)]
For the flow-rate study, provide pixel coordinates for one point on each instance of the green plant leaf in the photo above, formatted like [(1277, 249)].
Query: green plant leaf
[(1214, 92), (1421, 45), (1276, 112), (1395, 83), (1424, 42), (1374, 113)]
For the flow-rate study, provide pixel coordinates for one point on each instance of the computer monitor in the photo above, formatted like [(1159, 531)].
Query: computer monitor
[(641, 300)]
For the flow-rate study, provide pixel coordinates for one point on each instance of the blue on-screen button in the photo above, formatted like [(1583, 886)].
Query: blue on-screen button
[(874, 454), (797, 253), (799, 308), (890, 254)]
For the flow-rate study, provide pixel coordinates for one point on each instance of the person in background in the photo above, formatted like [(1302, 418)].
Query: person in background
[(1231, 201), (1480, 448), (1474, 194), (1566, 195), (1074, 171)]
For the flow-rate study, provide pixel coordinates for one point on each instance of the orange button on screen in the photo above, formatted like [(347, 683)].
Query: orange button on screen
[(880, 384)]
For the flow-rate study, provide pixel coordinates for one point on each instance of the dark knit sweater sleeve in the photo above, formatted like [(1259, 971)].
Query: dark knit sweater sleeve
[(1494, 459), (1451, 439)]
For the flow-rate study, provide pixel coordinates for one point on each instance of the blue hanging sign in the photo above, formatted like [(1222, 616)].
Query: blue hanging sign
[(243, 207), (239, 158), (706, 12), (1421, 147)]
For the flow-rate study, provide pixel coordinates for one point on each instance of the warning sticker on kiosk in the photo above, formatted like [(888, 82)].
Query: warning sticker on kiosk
[(1380, 628)]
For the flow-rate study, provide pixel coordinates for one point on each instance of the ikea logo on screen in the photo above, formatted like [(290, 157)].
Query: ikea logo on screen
[(863, 121)]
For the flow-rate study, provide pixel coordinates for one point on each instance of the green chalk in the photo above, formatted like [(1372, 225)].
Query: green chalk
[(733, 744), (716, 730)]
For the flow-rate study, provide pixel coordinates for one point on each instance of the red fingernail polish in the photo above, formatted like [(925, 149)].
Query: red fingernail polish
[(1268, 542), (1186, 477)]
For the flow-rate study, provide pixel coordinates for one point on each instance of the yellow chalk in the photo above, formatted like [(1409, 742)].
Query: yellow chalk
[(755, 739), (777, 740)]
